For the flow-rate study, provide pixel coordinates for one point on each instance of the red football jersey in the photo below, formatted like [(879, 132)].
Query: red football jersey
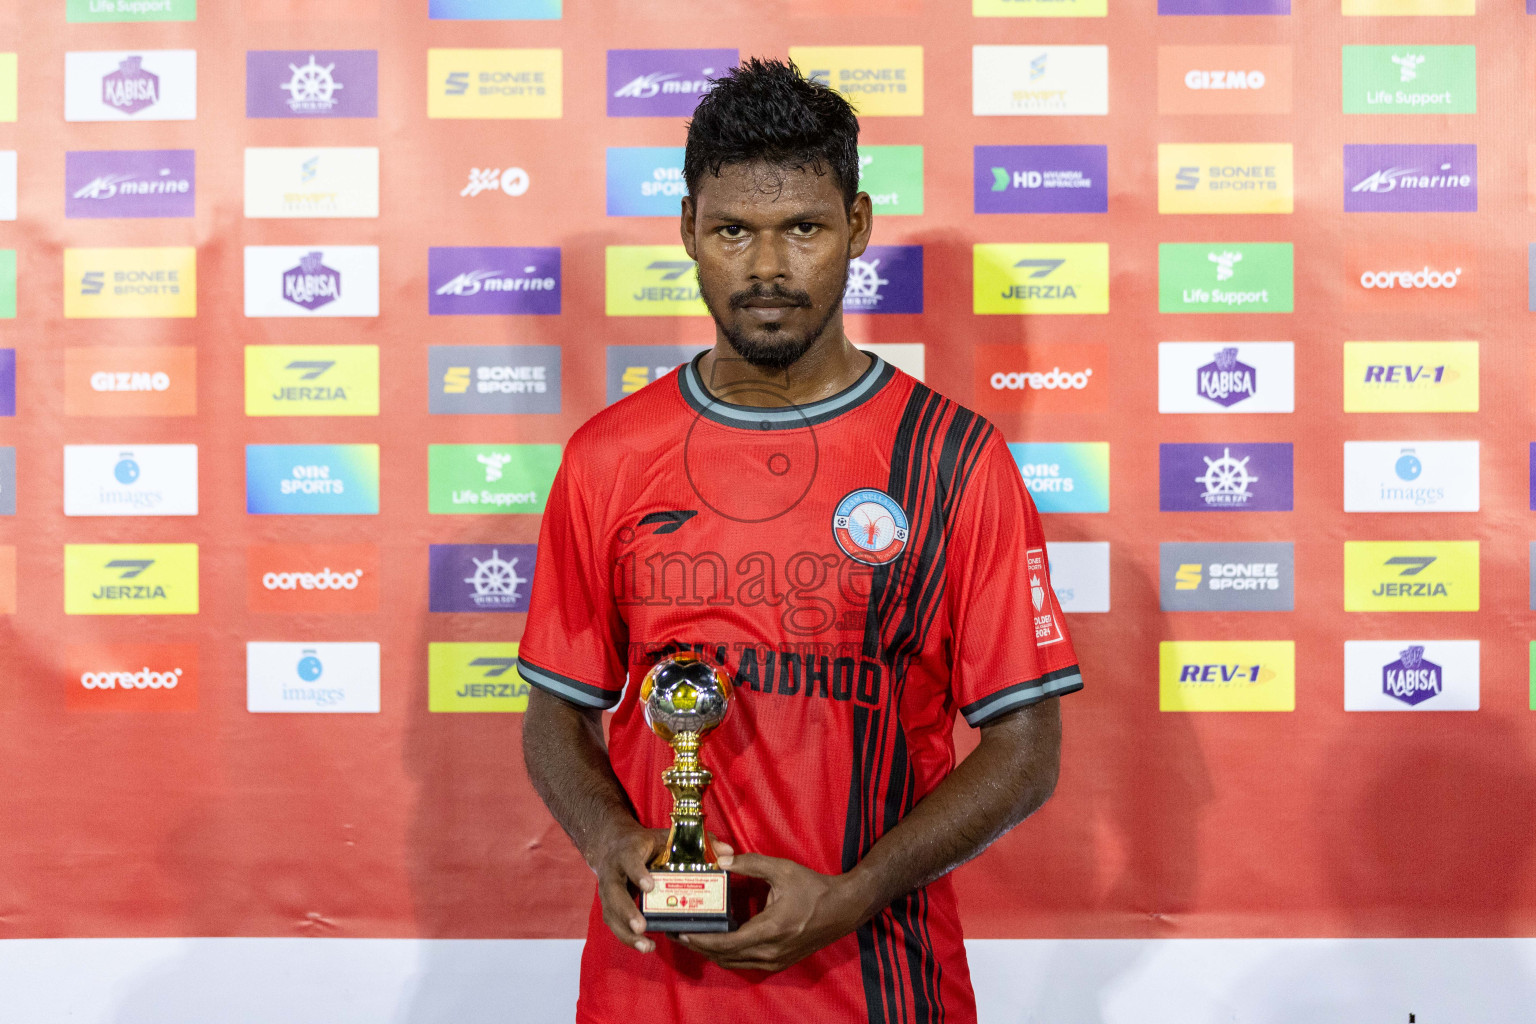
[(863, 566)]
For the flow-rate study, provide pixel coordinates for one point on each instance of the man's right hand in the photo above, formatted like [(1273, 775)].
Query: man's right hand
[(624, 861)]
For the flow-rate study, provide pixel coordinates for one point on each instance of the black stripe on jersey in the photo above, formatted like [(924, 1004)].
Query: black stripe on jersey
[(572, 691), (1021, 695)]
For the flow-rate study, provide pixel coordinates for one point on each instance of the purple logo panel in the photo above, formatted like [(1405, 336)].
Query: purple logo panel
[(7, 382), (312, 83), (490, 281), (1224, 477), (480, 577), (1042, 179), (1410, 179), (1223, 6), (129, 183), (662, 83), (886, 279)]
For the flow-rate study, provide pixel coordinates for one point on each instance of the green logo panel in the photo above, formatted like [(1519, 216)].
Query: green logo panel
[(7, 284), (1410, 79), (130, 10), (893, 177), (489, 479), (1225, 277)]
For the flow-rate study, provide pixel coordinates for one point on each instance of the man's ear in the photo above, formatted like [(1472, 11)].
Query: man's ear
[(685, 226), (861, 224)]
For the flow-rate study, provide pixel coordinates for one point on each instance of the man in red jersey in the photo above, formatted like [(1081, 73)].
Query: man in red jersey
[(856, 550)]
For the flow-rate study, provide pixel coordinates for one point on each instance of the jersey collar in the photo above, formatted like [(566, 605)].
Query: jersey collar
[(784, 417)]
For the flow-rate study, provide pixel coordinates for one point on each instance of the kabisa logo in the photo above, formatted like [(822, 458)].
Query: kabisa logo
[(130, 10), (474, 677), (645, 181), (312, 83), (880, 81), (1227, 675), (130, 677), (1049, 278), (1072, 477), (1224, 79), (130, 579), (312, 578), (130, 381), (1225, 178), (1254, 376), (311, 284), (1410, 376), (1226, 380), (495, 10), (129, 183), (480, 577), (312, 677), (511, 181), (284, 182), (311, 380), (1411, 476), (1411, 576), (885, 279), (1041, 81), (470, 479), (494, 83), (1412, 678), (1223, 6), (632, 367), (305, 281), (1216, 577), (870, 526), (651, 280), (493, 379), (662, 83), (130, 88), (144, 85), (492, 281), (1410, 179), (1225, 477), (143, 480), (1041, 179), (1410, 675), (312, 479), (1410, 80), (130, 283), (1230, 277)]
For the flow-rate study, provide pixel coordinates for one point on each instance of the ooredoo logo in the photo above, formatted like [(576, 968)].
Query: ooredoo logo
[(1411, 275), (131, 677), (1043, 378), (312, 578)]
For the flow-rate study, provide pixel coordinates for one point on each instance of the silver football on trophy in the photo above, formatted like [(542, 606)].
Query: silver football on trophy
[(682, 694)]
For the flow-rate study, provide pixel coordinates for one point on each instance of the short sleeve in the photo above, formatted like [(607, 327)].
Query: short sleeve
[(1010, 645), (574, 643)]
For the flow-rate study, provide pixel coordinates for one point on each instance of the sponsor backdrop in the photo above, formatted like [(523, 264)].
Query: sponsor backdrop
[(1246, 285)]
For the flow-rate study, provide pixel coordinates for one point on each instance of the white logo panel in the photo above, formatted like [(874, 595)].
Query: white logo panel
[(1411, 675), (1411, 476), (311, 181), (130, 85), (321, 677), (1079, 574), (1226, 377), (905, 356), (1039, 80), (8, 184), (311, 280), (130, 480)]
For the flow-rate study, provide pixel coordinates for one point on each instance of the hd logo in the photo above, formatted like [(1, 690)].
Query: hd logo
[(311, 380), (1036, 278), (130, 579), (493, 83), (1411, 576), (652, 280), (1227, 675), (1225, 178), (1227, 577), (474, 677), (1410, 376), (130, 283)]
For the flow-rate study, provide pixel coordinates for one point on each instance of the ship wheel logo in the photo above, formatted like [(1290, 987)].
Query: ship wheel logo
[(870, 527), (311, 89), (1226, 479), (495, 580)]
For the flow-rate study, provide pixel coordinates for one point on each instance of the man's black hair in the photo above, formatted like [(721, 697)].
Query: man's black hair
[(765, 110)]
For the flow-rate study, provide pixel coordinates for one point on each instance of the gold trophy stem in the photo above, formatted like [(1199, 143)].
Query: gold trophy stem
[(688, 848)]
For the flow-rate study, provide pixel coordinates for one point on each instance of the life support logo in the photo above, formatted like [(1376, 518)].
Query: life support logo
[(870, 527)]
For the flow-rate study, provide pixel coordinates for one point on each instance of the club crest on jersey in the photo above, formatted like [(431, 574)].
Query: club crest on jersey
[(870, 527)]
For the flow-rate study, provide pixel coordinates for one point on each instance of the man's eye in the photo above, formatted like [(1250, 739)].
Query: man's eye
[(731, 231), (805, 227)]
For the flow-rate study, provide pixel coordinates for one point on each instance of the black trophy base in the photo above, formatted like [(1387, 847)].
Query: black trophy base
[(699, 923), (688, 901)]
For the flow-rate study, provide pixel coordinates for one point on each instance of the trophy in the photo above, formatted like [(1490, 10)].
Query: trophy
[(683, 700)]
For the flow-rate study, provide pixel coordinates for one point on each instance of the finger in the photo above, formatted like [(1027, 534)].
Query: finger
[(760, 930), (621, 915), (724, 852), (757, 865), (636, 865)]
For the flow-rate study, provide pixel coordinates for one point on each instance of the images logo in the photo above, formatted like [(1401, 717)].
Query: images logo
[(1406, 675), (1039, 80), (7, 382), (480, 577), (893, 177), (130, 283), (493, 83), (478, 479), (1226, 277), (1080, 575), (1041, 377), (318, 579), (1410, 476), (652, 280), (1410, 179), (496, 10), (1039, 8), (1227, 675), (632, 367), (312, 479), (1410, 79), (1224, 79), (130, 480), (645, 181), (1254, 376), (7, 481), (130, 579), (1065, 477), (495, 379), (474, 677), (1224, 477), (311, 182), (112, 381), (1222, 577), (1041, 179), (1410, 376), (880, 81), (663, 83), (130, 677), (311, 380), (886, 279), (312, 83), (304, 281), (149, 85), (1411, 576), (1225, 178), (1410, 7), (130, 10), (493, 281), (316, 677), (129, 183), (1041, 278)]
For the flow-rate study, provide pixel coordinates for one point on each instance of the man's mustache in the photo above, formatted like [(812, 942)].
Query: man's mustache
[(739, 300)]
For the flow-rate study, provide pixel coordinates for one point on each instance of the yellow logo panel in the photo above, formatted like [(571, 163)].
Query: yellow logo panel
[(1411, 576), (130, 283), (1410, 376), (1430, 7), (311, 380), (880, 81), (1252, 177), (1039, 8), (7, 87), (1041, 278), (474, 677), (652, 280), (493, 83), (1227, 675), (130, 579)]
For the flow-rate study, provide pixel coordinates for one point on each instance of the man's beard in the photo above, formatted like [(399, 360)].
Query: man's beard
[(784, 350)]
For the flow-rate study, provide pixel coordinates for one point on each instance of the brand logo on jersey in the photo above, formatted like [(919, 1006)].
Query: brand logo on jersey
[(1401, 675), (1225, 178), (311, 380), (130, 677), (1227, 576), (130, 579), (1410, 79), (499, 379), (1224, 79), (138, 480), (129, 183), (885, 279), (474, 677), (311, 182), (663, 83), (470, 479), (495, 10), (1224, 477), (319, 579), (869, 526), (312, 677), (493, 281), (1044, 377), (1047, 614), (1379, 8), (480, 577), (148, 85), (893, 178), (1227, 675), (1410, 376), (645, 181), (1223, 6), (1070, 477), (653, 280), (494, 83), (7, 382), (312, 83), (881, 81), (312, 479), (1411, 576), (632, 367), (7, 481), (130, 381), (130, 283), (1411, 476), (1410, 179), (1041, 179), (1039, 80), (1051, 278)]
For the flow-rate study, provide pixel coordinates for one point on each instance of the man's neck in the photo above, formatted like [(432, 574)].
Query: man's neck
[(828, 366)]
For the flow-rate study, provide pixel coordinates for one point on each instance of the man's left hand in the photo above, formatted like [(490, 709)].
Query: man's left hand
[(806, 911)]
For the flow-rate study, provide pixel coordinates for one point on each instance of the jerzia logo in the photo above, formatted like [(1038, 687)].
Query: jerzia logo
[(1052, 278), (311, 380), (1418, 576), (130, 579), (654, 280), (474, 677)]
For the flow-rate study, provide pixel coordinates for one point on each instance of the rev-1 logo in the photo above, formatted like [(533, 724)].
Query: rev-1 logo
[(1411, 565), (1228, 674), (1400, 374)]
